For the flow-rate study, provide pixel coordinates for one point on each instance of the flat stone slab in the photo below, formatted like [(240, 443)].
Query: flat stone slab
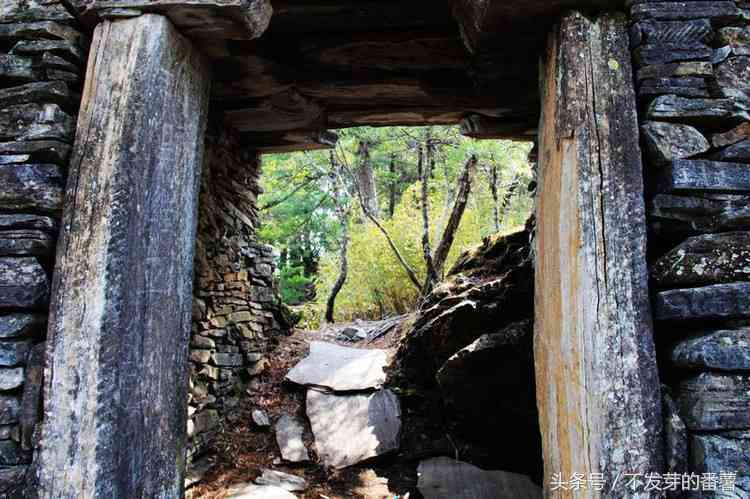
[(289, 431), (444, 478), (339, 368), (286, 481), (251, 491), (349, 429)]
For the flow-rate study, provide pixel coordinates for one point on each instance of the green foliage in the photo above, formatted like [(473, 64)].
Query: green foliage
[(307, 232)]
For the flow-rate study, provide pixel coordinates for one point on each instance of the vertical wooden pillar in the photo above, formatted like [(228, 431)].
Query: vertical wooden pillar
[(120, 316), (597, 384)]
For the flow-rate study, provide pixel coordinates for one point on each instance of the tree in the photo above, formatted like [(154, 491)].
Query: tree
[(342, 212)]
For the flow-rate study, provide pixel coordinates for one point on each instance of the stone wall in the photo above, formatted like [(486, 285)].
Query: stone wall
[(693, 75), (42, 61), (236, 313)]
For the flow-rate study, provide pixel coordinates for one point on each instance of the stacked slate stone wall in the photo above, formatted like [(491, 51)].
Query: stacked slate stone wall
[(42, 63), (693, 79), (236, 313)]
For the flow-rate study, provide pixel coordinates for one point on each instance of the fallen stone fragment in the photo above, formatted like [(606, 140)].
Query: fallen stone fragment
[(444, 478), (713, 402), (669, 141), (722, 350), (340, 368), (706, 259), (251, 491), (286, 481), (289, 431), (721, 301), (349, 429), (260, 418)]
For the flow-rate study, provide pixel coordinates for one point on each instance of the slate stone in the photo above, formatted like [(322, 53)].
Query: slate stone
[(41, 151), (10, 408), (444, 478), (733, 77), (40, 30), (688, 86), (35, 10), (721, 350), (18, 69), (663, 53), (350, 429), (706, 259), (13, 481), (10, 453), (286, 481), (251, 491), (289, 431), (738, 153), (31, 400), (675, 435), (724, 11), (720, 453), (720, 301), (688, 175), (698, 111), (340, 368), (676, 69), (21, 325), (260, 418), (733, 136), (227, 359), (11, 378), (36, 92), (667, 142), (712, 401), (36, 122), (26, 243), (61, 48), (676, 32), (31, 187), (23, 283), (699, 214)]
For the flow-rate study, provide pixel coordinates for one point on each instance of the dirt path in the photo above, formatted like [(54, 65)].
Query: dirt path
[(243, 450)]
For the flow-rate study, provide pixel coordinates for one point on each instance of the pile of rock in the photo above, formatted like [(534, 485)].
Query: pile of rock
[(472, 341), (236, 313), (42, 62), (693, 72)]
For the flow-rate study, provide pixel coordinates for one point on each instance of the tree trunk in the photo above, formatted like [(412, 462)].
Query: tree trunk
[(507, 198), (597, 385), (495, 196), (425, 170), (366, 180), (116, 376), (462, 198), (343, 216), (392, 187)]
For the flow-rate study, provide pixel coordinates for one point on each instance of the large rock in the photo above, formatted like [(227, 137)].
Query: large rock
[(726, 452), (349, 429), (489, 388), (720, 301), (289, 431), (488, 288), (23, 283), (444, 478), (706, 176), (707, 259), (666, 142), (722, 350), (712, 402), (340, 368), (699, 214)]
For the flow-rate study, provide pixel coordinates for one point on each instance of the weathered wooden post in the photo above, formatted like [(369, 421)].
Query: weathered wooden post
[(120, 320), (597, 384)]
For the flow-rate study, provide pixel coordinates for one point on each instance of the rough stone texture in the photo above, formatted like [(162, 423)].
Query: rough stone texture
[(339, 368), (350, 429), (720, 301), (700, 213), (598, 390), (723, 350), (250, 491), (117, 360), (444, 478), (289, 431), (666, 142), (23, 284), (712, 402), (675, 435), (721, 453), (286, 481), (708, 259), (236, 310), (688, 176)]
